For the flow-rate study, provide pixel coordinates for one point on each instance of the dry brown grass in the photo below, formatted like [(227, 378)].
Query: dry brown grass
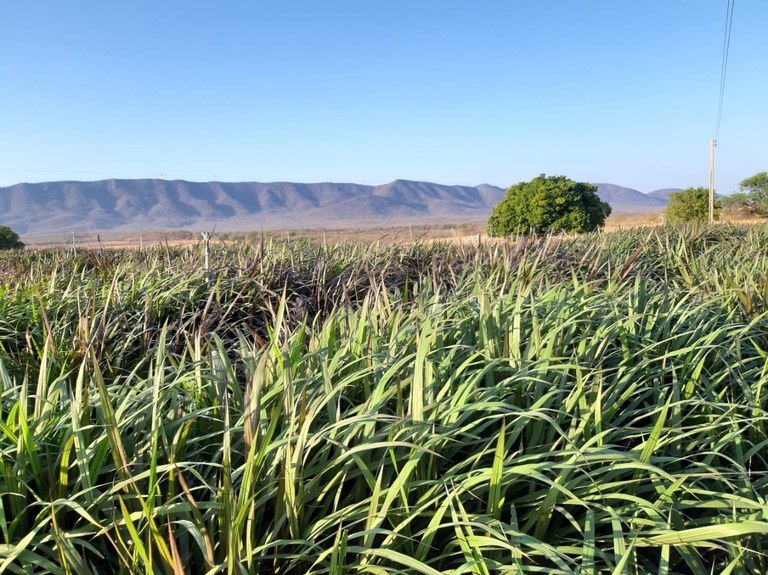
[(113, 240), (362, 234), (384, 234), (405, 233), (617, 222)]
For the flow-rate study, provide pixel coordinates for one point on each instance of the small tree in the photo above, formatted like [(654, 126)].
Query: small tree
[(690, 205), (753, 195), (9, 240), (756, 189), (549, 204)]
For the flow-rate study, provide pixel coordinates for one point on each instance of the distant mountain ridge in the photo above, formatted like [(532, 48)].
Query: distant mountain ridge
[(130, 205), (627, 200), (663, 193)]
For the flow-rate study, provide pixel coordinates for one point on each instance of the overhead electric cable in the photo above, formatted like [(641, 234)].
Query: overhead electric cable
[(724, 64)]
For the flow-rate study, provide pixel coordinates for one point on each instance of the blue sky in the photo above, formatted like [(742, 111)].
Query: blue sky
[(449, 91)]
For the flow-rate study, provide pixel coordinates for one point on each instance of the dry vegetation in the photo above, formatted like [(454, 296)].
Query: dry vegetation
[(361, 234)]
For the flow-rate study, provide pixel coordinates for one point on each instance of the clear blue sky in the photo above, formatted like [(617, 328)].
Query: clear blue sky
[(456, 92)]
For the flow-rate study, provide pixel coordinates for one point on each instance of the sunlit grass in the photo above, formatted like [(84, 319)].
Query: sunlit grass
[(553, 405)]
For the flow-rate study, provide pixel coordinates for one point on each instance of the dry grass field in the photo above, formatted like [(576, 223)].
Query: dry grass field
[(363, 233)]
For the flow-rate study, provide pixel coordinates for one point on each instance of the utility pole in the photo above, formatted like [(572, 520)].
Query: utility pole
[(207, 254), (712, 144)]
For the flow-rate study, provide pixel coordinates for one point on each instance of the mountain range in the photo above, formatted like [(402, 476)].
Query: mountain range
[(137, 204)]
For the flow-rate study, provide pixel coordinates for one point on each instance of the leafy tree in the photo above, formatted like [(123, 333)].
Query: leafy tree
[(690, 205), (752, 196), (756, 188), (549, 204), (9, 240)]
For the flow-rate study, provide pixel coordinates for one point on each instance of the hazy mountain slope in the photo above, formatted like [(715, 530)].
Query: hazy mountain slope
[(663, 193), (621, 199), (627, 200), (492, 195), (63, 207)]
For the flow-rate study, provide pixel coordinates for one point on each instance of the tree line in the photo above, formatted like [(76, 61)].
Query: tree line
[(692, 204), (555, 204)]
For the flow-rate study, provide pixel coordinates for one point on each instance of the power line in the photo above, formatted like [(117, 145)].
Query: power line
[(751, 163), (723, 74), (724, 64)]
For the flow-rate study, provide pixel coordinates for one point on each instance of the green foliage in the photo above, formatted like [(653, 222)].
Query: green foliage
[(690, 205), (541, 405), (752, 197), (9, 240), (548, 204), (756, 188)]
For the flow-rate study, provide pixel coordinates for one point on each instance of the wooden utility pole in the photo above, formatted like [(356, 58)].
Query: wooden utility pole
[(712, 181)]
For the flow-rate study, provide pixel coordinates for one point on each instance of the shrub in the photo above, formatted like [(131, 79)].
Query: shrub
[(9, 240), (690, 205), (549, 204)]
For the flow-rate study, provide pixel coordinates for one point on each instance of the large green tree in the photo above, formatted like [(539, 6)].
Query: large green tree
[(9, 240), (549, 204), (690, 205), (756, 189), (752, 197)]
